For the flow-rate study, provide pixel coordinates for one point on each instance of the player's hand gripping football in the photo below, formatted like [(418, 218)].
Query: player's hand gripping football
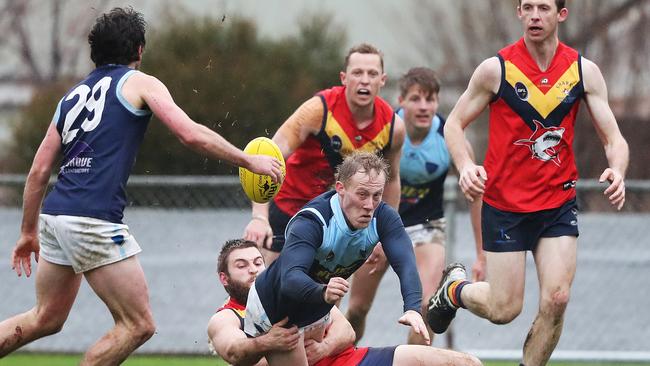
[(414, 319), (336, 288), (616, 189), (266, 165), (472, 181), (21, 258)]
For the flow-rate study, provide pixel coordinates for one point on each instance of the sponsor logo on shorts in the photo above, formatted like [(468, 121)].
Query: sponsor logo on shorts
[(504, 238)]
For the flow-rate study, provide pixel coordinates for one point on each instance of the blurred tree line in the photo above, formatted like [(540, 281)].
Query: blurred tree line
[(222, 73)]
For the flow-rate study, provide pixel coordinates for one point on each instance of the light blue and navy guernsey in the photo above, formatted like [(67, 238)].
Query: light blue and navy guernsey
[(423, 169), (100, 136), (321, 245)]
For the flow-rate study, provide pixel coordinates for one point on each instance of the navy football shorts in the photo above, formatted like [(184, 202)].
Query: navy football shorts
[(378, 356), (505, 231)]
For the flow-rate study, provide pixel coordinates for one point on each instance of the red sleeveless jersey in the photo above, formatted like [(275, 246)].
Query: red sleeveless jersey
[(310, 169), (529, 161)]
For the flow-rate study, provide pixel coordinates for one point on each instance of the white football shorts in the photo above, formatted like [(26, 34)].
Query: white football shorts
[(256, 322), (431, 232), (84, 243)]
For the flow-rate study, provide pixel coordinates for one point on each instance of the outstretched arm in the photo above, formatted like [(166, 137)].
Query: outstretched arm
[(142, 89), (35, 186), (482, 87), (399, 252), (616, 148)]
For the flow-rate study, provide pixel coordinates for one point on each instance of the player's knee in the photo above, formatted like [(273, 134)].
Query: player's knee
[(472, 361), (143, 331), (555, 303), (50, 321), (505, 314), (141, 328), (358, 310)]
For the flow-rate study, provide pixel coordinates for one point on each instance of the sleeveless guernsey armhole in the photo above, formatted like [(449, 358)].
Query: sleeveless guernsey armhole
[(582, 80), (57, 113), (501, 81), (390, 134), (123, 101), (324, 118)]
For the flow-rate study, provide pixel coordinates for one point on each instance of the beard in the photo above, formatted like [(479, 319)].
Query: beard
[(238, 291)]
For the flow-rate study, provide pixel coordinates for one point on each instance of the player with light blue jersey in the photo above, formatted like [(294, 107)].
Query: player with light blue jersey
[(97, 128), (326, 247), (326, 242), (423, 168)]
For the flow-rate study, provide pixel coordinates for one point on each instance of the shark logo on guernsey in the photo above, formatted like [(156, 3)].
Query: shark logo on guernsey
[(543, 142)]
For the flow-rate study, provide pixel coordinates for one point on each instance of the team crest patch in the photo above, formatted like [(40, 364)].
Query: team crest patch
[(521, 90), (543, 142), (565, 87), (336, 143)]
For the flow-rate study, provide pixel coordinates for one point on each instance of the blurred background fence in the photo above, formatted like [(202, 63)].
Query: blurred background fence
[(181, 222)]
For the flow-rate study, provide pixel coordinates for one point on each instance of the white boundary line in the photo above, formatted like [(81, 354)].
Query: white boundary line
[(624, 356)]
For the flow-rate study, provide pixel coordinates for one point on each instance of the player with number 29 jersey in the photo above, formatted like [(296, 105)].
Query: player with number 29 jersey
[(91, 118)]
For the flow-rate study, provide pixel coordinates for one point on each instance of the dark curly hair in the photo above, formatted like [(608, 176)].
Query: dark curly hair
[(116, 37), (228, 247)]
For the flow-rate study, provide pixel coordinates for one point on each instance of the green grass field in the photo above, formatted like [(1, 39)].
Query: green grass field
[(25, 359)]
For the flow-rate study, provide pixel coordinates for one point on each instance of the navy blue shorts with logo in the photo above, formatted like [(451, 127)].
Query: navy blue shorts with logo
[(378, 356), (505, 231)]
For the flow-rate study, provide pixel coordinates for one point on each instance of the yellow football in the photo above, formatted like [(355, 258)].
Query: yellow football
[(260, 188)]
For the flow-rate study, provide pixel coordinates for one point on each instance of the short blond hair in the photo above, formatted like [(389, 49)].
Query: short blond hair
[(360, 161)]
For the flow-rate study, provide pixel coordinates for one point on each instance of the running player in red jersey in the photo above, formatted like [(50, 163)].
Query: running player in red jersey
[(533, 88), (314, 141), (238, 265)]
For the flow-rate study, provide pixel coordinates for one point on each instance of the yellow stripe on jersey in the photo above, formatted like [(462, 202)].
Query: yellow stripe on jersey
[(333, 128), (544, 104), (242, 313)]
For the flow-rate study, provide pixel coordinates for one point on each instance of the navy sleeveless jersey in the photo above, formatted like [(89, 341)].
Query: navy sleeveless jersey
[(423, 169), (100, 136)]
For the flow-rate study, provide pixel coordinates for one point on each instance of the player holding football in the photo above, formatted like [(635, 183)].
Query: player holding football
[(533, 88), (314, 141), (96, 130)]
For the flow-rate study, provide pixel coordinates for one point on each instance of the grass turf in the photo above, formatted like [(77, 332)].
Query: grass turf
[(39, 359)]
